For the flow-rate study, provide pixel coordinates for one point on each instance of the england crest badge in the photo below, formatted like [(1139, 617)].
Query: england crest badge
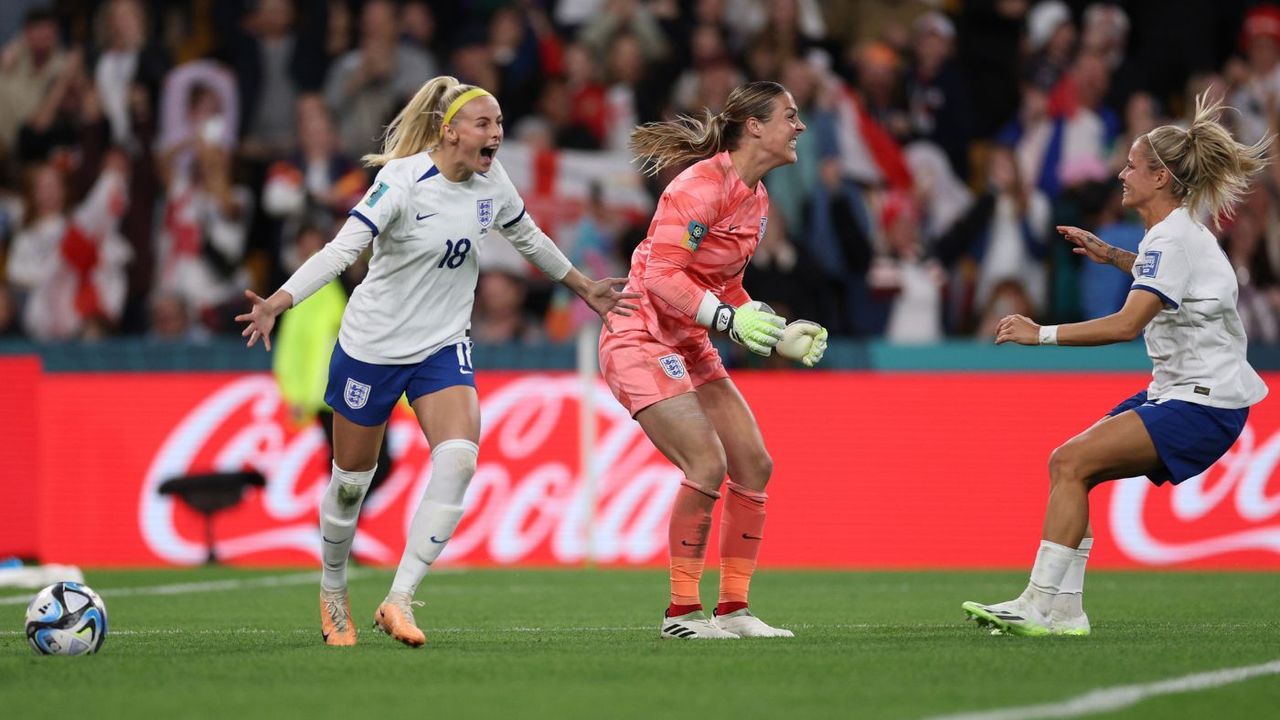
[(673, 366), (356, 394), (484, 212)]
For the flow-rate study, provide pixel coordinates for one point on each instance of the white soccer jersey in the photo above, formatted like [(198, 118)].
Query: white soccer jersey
[(427, 233), (1197, 342)]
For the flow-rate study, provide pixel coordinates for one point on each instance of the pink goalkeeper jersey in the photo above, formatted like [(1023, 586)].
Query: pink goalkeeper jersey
[(707, 225)]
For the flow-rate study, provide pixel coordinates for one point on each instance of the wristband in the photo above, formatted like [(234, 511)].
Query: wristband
[(1048, 334)]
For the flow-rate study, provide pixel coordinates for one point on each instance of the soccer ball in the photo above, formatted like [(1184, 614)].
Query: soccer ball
[(66, 618)]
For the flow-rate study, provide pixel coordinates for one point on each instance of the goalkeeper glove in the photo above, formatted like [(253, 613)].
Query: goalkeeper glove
[(804, 342), (751, 324)]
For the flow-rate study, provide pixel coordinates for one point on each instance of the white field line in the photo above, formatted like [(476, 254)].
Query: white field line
[(1122, 696), (195, 587)]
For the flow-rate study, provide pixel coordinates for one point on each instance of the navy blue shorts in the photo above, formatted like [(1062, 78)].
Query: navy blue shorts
[(1188, 437), (366, 394)]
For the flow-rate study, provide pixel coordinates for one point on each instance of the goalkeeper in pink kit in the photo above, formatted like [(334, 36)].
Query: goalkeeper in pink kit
[(660, 362)]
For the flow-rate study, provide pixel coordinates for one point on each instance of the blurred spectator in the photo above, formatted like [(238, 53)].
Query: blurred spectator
[(1090, 127), (366, 85), (129, 70), (881, 87), (1258, 95), (170, 320), (1103, 288), (199, 105), (1013, 246), (553, 125), (586, 92), (515, 52), (706, 48), (500, 315), (204, 234), (68, 120), (1141, 116), (30, 64), (631, 97), (275, 58), (10, 328), (318, 180), (1008, 297), (1259, 299), (1051, 42), (631, 18), (69, 270), (794, 24), (912, 280), (417, 24), (937, 99)]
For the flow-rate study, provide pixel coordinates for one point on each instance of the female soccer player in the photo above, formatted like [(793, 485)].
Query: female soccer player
[(405, 330), (661, 365), (1184, 296)]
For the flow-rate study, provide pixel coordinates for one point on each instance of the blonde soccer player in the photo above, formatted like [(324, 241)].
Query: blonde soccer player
[(440, 193), (1184, 298), (660, 362)]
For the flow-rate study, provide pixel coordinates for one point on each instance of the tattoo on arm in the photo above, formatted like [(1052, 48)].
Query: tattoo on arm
[(1121, 258)]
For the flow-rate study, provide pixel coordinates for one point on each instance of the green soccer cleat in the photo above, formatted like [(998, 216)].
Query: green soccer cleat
[(1015, 617)]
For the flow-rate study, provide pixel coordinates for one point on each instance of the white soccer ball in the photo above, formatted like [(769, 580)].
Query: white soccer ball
[(794, 342), (66, 618)]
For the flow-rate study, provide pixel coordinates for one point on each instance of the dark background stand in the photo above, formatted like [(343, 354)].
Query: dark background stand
[(209, 493)]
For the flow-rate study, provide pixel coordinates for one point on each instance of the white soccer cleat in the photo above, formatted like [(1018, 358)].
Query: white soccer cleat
[(693, 626), (743, 624), (1060, 624), (1015, 617)]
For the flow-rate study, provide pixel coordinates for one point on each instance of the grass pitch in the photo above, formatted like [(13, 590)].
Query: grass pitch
[(240, 644)]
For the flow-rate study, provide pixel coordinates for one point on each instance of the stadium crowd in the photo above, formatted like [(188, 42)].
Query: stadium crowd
[(156, 158)]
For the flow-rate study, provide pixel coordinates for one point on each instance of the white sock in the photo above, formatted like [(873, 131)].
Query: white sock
[(1052, 561), (339, 511), (1070, 599), (453, 462)]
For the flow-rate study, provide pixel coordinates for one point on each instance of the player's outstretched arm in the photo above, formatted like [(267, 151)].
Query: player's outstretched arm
[(602, 295), (261, 318), (1126, 324), (1090, 246)]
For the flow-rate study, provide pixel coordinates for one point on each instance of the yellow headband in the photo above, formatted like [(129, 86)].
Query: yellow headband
[(463, 99)]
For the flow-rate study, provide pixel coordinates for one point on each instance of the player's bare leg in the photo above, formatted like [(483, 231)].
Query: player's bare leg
[(1116, 447), (680, 430), (743, 517)]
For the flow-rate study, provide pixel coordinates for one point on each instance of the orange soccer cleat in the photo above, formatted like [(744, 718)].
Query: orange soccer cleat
[(335, 618), (395, 618)]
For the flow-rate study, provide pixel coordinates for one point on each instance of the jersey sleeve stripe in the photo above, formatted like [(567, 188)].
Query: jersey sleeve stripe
[(515, 220), (1164, 298), (360, 216)]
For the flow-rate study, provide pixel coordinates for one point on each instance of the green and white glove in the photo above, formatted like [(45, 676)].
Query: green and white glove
[(752, 325), (804, 342)]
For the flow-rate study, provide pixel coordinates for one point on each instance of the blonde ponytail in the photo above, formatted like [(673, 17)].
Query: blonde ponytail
[(663, 144), (420, 124), (1210, 169)]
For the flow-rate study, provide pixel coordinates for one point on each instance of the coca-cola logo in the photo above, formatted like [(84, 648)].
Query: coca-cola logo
[(1230, 508), (528, 501)]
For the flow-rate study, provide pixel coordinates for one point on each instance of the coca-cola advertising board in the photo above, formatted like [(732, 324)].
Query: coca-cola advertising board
[(872, 470)]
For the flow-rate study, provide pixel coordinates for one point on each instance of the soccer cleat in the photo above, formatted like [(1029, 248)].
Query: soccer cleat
[(743, 624), (335, 618), (395, 618), (693, 626), (1060, 624), (1015, 617)]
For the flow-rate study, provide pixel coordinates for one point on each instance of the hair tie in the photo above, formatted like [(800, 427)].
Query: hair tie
[(1157, 157), (461, 100)]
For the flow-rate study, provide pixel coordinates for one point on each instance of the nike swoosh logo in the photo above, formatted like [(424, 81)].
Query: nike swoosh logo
[(440, 542), (331, 542), (751, 537), (424, 217), (686, 543), (734, 227)]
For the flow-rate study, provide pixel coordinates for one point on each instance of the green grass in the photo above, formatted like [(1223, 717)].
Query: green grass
[(584, 644)]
